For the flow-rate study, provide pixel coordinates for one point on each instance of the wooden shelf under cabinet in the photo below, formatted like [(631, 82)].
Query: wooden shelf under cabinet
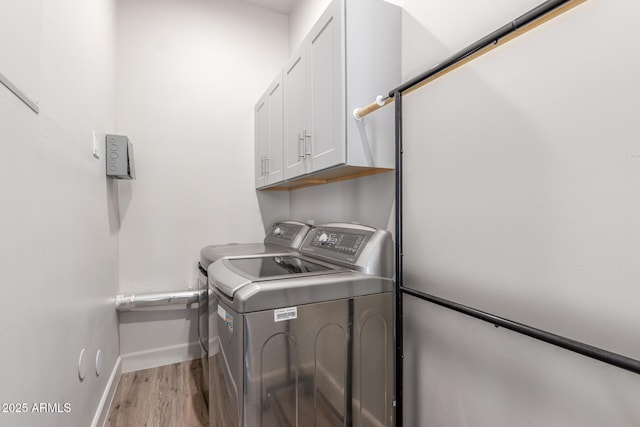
[(326, 177)]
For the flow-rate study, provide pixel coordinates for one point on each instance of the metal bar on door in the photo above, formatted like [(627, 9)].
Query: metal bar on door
[(398, 333), (600, 354)]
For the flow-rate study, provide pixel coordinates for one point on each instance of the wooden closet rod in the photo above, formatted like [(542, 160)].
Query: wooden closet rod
[(536, 16)]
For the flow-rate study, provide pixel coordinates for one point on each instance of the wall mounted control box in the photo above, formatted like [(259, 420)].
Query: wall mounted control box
[(119, 157)]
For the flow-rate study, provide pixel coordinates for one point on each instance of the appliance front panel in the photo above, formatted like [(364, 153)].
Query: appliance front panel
[(203, 328), (225, 366), (296, 370), (203, 313), (313, 370)]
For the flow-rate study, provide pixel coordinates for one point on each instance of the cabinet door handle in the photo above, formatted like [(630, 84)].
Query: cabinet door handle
[(308, 151), (301, 148), (267, 165), (262, 166)]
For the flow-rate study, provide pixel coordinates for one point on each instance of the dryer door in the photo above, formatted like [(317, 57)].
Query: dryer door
[(297, 371)]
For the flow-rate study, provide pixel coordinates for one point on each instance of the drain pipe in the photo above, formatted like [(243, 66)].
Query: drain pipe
[(133, 302)]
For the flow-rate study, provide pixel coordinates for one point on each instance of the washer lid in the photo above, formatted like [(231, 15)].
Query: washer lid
[(269, 267), (283, 236), (228, 275), (210, 254)]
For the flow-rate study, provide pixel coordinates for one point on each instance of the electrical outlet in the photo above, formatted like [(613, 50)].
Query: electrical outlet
[(98, 363), (82, 365), (96, 146)]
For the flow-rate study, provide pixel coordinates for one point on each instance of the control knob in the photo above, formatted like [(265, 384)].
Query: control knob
[(277, 231), (323, 239)]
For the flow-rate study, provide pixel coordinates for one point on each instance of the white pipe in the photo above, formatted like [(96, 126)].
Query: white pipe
[(132, 302)]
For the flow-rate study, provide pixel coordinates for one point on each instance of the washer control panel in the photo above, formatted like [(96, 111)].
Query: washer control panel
[(287, 233)]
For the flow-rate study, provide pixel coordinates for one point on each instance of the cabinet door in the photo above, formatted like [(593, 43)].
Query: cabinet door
[(274, 160), (326, 145), (261, 140), (295, 113)]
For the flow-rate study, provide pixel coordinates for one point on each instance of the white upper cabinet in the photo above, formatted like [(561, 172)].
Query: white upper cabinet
[(326, 143), (351, 55), (314, 98), (269, 135), (274, 161), (296, 119), (262, 140)]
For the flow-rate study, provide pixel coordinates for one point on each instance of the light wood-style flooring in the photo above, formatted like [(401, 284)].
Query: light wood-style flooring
[(166, 396)]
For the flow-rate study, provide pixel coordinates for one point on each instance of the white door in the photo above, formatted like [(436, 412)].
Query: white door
[(325, 55), (295, 115)]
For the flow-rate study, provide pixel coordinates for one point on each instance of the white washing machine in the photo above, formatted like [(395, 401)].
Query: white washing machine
[(306, 339), (283, 236)]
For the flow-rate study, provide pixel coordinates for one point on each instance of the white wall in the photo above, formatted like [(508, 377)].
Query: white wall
[(189, 74), (58, 250), (303, 15), (522, 200), (367, 200)]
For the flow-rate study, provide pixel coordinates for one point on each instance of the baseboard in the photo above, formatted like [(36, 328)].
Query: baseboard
[(107, 397), (160, 356)]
